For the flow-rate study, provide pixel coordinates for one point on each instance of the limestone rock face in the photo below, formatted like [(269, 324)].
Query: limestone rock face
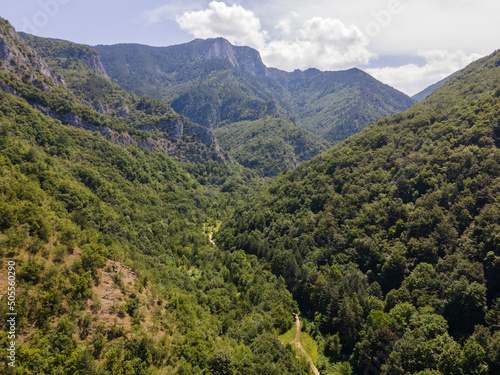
[(125, 111), (245, 59), (103, 109), (222, 49), (16, 57), (93, 61)]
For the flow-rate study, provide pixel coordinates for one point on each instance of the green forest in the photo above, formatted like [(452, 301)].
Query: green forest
[(147, 243), (389, 241)]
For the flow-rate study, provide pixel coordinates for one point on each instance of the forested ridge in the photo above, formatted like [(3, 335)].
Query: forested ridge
[(389, 241), (386, 245), (269, 145)]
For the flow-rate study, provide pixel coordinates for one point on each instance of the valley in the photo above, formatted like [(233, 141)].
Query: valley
[(175, 210)]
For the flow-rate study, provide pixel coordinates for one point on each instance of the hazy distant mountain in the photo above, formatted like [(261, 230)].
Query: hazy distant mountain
[(336, 105)]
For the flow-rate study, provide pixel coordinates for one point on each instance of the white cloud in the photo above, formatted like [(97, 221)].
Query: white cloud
[(412, 78), (235, 23), (285, 24), (324, 43), (330, 31), (165, 12), (158, 14)]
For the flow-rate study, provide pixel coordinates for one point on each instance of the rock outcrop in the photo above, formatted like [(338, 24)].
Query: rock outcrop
[(93, 61), (18, 58), (245, 59)]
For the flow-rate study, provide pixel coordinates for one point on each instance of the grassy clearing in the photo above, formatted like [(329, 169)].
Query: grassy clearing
[(310, 346), (210, 228), (288, 336)]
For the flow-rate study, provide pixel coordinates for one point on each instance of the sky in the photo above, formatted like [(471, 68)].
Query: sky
[(408, 44)]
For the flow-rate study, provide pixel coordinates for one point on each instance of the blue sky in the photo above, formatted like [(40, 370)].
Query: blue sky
[(408, 44)]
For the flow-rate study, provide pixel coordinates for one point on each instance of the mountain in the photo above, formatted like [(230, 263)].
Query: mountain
[(389, 240), (336, 105), (109, 241), (210, 81), (381, 255), (429, 90), (87, 78), (215, 83), (270, 144), (207, 102), (145, 122)]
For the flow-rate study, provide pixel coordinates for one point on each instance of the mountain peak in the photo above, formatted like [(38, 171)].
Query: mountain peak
[(220, 48), (245, 59)]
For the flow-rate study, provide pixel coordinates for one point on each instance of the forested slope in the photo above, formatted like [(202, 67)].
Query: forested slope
[(270, 144), (114, 270), (336, 105), (390, 240)]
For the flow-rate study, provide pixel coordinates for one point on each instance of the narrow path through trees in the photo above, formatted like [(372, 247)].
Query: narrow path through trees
[(297, 343), (210, 239)]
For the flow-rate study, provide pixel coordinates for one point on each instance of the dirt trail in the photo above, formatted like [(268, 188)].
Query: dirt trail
[(210, 239), (297, 343)]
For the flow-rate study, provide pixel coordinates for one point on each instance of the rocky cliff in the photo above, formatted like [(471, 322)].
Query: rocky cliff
[(67, 50), (244, 59), (20, 60)]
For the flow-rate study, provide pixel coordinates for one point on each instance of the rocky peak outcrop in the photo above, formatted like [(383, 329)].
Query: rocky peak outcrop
[(245, 59), (221, 49), (17, 57), (250, 61)]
